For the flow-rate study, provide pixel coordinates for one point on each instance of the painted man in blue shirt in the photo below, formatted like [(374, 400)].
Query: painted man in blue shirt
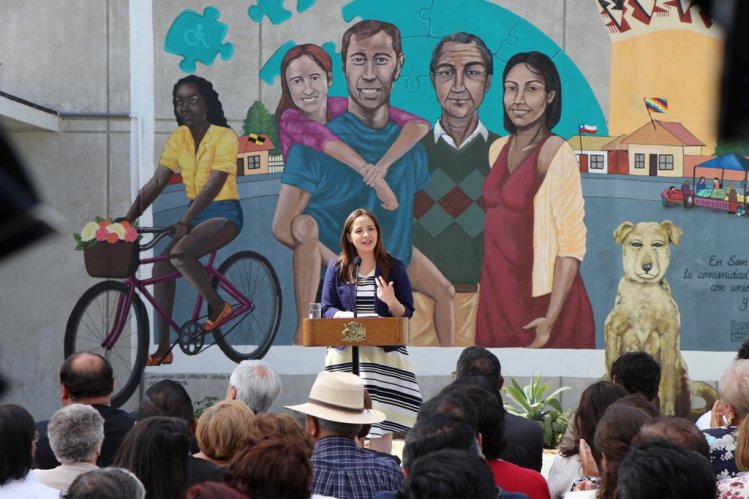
[(318, 192)]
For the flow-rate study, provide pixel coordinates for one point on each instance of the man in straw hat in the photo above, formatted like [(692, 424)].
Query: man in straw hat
[(335, 413)]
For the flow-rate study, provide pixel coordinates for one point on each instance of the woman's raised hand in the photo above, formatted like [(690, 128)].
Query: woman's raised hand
[(385, 291)]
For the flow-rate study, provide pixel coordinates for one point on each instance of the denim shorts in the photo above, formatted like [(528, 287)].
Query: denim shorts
[(229, 209)]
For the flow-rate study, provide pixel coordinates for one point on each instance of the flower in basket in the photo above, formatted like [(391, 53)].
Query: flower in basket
[(104, 230)]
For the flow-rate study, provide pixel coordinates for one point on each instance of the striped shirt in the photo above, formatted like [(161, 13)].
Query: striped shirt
[(365, 294)]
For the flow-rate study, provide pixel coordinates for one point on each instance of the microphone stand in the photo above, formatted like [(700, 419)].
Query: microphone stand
[(355, 348)]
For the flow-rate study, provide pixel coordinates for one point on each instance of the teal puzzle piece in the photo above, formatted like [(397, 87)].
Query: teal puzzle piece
[(198, 38), (302, 5), (272, 9)]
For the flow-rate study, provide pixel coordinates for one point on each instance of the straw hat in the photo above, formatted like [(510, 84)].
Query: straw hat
[(338, 397)]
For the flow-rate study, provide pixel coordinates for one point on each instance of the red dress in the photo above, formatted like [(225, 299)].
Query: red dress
[(505, 301)]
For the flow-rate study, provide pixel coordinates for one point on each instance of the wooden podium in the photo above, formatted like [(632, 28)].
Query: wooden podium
[(355, 332)]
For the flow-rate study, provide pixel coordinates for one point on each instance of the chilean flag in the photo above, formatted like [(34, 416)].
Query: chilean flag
[(589, 129)]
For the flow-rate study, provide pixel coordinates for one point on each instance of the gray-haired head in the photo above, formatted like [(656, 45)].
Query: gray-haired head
[(76, 433), (106, 483), (255, 383)]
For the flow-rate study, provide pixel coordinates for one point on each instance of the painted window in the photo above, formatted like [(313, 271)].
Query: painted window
[(596, 162), (665, 161), (253, 162), (640, 160)]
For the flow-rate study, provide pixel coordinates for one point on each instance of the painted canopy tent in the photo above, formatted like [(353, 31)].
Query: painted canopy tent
[(719, 197)]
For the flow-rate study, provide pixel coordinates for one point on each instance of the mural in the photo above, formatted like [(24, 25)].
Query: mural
[(650, 153)]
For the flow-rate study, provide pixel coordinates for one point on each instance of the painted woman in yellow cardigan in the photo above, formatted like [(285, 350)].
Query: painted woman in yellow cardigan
[(531, 293), (204, 150)]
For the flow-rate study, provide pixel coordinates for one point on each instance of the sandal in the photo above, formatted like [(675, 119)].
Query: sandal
[(211, 325), (160, 360)]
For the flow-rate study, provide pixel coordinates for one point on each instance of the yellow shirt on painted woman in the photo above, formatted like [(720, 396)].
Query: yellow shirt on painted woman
[(217, 152)]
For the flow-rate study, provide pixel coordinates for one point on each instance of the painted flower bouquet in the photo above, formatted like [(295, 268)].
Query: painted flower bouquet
[(110, 249), (104, 230)]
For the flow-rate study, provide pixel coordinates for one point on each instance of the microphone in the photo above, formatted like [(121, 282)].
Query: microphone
[(357, 263)]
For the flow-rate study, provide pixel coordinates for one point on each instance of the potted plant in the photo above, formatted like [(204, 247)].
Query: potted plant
[(533, 404)]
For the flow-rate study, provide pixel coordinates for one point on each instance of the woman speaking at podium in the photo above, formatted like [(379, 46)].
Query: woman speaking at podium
[(367, 279)]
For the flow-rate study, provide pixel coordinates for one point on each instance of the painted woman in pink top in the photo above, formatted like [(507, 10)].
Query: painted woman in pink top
[(531, 293), (305, 108)]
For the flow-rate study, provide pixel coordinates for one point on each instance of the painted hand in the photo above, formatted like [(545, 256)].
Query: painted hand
[(542, 327), (180, 230), (372, 174)]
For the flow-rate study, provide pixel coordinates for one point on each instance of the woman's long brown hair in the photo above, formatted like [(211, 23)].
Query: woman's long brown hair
[(348, 251)]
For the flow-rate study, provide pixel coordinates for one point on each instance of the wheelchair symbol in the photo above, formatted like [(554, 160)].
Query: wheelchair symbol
[(195, 36)]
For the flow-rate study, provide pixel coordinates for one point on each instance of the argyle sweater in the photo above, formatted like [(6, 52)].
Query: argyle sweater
[(449, 212)]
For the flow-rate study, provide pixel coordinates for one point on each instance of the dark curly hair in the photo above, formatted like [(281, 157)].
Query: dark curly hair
[(215, 115), (637, 372)]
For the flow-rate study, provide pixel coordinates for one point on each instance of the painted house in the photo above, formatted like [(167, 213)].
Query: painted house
[(658, 149), (590, 154), (618, 156), (254, 154)]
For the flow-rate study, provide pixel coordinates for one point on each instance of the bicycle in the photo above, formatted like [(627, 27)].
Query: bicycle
[(110, 317)]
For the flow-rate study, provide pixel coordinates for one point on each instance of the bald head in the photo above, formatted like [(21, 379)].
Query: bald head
[(86, 375)]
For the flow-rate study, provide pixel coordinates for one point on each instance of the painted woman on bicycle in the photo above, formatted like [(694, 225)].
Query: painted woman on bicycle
[(204, 149)]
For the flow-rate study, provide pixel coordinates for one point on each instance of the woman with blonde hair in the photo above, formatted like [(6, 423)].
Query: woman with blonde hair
[(221, 430)]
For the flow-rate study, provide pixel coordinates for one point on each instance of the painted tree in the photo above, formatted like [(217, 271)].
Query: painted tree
[(725, 147), (259, 120)]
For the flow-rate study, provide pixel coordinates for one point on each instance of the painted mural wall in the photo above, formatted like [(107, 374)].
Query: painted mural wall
[(549, 250)]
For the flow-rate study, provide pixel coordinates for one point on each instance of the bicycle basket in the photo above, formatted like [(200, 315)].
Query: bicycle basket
[(118, 260)]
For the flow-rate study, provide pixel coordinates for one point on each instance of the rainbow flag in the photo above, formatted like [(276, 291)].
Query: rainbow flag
[(656, 104)]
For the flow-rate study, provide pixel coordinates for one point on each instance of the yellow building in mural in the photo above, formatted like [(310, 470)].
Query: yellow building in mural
[(671, 52), (658, 149)]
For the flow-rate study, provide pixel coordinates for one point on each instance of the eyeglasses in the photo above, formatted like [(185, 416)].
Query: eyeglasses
[(470, 74)]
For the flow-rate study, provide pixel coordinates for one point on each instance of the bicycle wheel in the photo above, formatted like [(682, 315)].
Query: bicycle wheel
[(91, 322), (249, 336)]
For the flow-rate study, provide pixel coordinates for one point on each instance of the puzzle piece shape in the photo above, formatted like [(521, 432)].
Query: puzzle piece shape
[(302, 5), (487, 20), (272, 9), (523, 37), (397, 12), (198, 38)]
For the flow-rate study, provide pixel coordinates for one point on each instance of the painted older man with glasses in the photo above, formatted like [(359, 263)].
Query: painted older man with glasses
[(449, 212)]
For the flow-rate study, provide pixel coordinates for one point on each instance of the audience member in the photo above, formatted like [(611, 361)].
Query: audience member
[(106, 483), (509, 476), (738, 486), (637, 372), (730, 411), (678, 430), (704, 422), (659, 469), (87, 378), (268, 423), (613, 438), (170, 399), (17, 438), (525, 438), (455, 403), (213, 490), (156, 450), (437, 432), (255, 383), (334, 415), (566, 468), (447, 474), (639, 401), (275, 467), (221, 430), (76, 433)]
